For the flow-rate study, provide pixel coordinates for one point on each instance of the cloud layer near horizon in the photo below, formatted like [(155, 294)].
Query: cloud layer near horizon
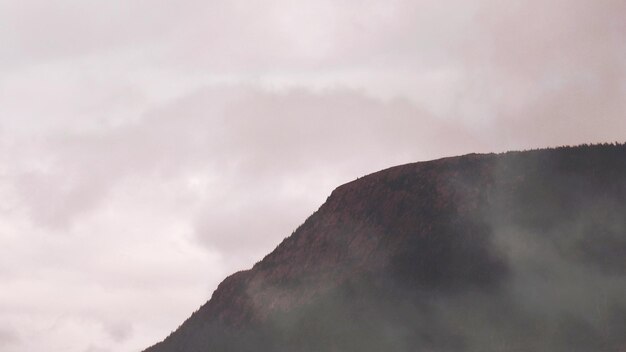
[(149, 149)]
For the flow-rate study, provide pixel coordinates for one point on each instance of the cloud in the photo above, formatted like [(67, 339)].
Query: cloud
[(231, 169), (252, 136), (141, 139), (96, 349), (120, 332), (8, 337), (552, 72)]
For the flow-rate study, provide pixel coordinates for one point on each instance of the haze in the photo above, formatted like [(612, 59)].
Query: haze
[(150, 148)]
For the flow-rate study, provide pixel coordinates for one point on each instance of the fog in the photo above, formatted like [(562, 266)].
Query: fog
[(147, 149)]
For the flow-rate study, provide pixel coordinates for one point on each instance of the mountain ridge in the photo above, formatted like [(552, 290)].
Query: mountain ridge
[(415, 236)]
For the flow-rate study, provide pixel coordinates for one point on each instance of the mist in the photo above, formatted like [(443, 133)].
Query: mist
[(150, 149)]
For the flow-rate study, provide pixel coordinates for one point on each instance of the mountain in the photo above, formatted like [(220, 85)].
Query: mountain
[(522, 251)]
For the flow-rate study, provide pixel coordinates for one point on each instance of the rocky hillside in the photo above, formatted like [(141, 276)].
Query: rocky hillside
[(523, 251)]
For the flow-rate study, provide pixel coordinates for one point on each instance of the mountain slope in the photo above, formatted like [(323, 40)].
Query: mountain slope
[(524, 251)]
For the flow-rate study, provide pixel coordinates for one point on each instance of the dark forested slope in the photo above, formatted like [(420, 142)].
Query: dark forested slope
[(523, 251)]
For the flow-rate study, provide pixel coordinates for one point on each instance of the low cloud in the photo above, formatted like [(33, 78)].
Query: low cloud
[(140, 139)]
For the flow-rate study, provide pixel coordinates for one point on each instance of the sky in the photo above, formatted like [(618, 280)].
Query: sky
[(148, 149)]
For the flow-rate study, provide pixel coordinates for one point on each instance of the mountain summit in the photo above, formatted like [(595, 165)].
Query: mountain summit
[(522, 251)]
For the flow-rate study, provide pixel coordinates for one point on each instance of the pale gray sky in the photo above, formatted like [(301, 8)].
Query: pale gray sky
[(150, 148)]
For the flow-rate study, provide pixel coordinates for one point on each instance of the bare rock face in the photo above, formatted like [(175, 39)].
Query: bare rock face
[(524, 251)]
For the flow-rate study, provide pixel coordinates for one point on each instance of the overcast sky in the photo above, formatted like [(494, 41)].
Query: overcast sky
[(150, 148)]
